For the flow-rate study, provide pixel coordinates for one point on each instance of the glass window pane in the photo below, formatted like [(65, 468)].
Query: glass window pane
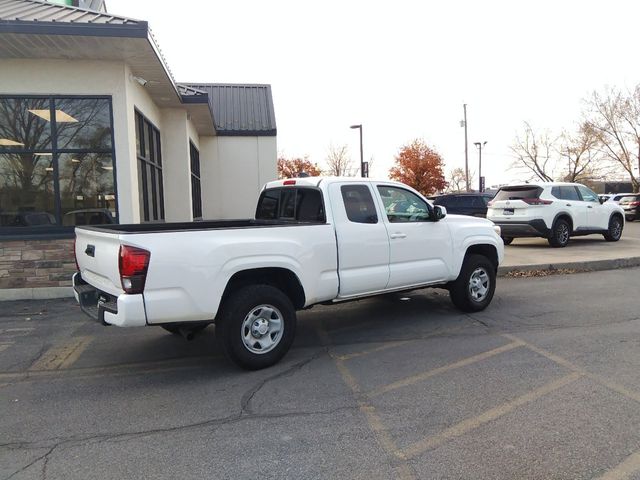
[(309, 207), (268, 205), (24, 124), (587, 194), (404, 206), (83, 123), (358, 204), (26, 190), (87, 193), (288, 204)]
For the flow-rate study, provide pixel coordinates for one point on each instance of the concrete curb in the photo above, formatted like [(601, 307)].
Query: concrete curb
[(43, 293), (47, 293), (590, 266)]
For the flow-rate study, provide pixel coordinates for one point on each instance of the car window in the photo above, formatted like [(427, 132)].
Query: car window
[(569, 193), (466, 201), (358, 203), (403, 206), (517, 193), (587, 194), (288, 203), (629, 199)]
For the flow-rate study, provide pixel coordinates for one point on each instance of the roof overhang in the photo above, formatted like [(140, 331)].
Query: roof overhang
[(132, 44)]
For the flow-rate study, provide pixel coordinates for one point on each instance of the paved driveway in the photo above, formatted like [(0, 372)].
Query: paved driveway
[(544, 384)]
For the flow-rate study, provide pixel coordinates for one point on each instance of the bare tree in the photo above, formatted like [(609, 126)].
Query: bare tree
[(535, 152), (580, 154), (339, 162), (457, 180), (614, 116)]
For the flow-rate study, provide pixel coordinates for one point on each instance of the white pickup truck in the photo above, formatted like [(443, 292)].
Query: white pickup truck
[(313, 241)]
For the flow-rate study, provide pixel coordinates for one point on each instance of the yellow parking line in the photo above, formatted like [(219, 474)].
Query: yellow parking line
[(405, 382), (627, 468), (62, 356), (488, 416), (622, 390), (381, 348)]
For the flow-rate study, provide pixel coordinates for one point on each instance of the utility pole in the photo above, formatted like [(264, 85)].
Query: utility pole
[(364, 168), (466, 148)]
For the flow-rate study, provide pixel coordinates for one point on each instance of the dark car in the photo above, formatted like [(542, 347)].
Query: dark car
[(631, 206), (472, 204)]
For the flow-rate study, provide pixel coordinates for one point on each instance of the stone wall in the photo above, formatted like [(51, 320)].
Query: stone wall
[(36, 263)]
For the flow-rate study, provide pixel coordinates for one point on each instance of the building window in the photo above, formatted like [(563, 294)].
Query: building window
[(196, 192), (56, 164), (149, 156)]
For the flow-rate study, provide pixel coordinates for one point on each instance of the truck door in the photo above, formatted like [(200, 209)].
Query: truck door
[(363, 243), (420, 248)]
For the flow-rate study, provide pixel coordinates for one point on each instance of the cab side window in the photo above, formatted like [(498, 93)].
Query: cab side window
[(358, 204), (587, 194), (403, 206)]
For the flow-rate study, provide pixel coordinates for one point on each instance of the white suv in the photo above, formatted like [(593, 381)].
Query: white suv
[(554, 211)]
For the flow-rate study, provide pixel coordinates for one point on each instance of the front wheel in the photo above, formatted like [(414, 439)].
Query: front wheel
[(560, 234), (473, 290), (256, 326), (614, 232)]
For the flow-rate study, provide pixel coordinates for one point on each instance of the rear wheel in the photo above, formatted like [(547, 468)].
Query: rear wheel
[(507, 240), (256, 326), (615, 229), (473, 290), (560, 234)]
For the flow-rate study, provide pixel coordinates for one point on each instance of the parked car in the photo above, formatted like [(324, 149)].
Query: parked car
[(631, 206), (618, 196), (472, 204), (555, 211), (313, 241), (88, 216), (26, 219)]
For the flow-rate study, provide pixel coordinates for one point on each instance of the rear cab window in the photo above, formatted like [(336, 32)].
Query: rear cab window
[(292, 204)]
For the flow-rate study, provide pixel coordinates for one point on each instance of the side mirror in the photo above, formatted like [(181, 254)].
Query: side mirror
[(602, 200), (439, 212)]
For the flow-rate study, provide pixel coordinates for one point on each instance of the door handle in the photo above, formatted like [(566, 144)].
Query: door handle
[(589, 206), (398, 235), (568, 204)]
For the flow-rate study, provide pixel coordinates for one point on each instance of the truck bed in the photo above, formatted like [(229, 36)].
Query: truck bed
[(198, 225)]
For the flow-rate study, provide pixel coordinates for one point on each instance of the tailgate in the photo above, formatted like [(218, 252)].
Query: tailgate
[(509, 209), (97, 254)]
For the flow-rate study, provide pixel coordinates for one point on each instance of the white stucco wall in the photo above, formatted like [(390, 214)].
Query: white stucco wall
[(234, 169)]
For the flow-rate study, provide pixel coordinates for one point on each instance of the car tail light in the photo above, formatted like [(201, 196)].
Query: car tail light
[(289, 182), (634, 204), (536, 201), (75, 257), (133, 264)]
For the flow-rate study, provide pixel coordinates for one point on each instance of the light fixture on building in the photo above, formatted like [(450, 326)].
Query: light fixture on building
[(49, 169), (140, 80), (107, 167), (75, 160), (43, 154), (61, 117), (5, 142)]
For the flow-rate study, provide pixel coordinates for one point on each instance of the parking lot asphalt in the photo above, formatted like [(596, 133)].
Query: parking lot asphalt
[(585, 250), (543, 384)]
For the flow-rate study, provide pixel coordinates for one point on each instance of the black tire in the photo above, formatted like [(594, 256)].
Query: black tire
[(462, 291), (232, 329), (192, 329), (507, 240), (615, 229), (560, 234)]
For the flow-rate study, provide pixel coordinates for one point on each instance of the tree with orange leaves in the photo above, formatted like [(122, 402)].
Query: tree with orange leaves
[(293, 167), (420, 167)]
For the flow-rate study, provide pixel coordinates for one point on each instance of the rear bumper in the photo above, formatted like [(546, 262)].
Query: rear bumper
[(524, 228), (123, 311)]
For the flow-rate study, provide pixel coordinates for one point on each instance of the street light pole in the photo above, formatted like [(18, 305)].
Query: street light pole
[(466, 148), (480, 145), (362, 172)]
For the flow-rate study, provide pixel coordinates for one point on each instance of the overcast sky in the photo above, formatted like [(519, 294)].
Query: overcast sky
[(403, 69)]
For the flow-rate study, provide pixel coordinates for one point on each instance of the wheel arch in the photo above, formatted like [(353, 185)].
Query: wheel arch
[(564, 216), (486, 250), (281, 278)]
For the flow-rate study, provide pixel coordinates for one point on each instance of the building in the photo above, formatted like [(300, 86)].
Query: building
[(94, 129)]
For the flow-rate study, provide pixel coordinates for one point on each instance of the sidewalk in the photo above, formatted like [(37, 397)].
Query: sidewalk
[(583, 253)]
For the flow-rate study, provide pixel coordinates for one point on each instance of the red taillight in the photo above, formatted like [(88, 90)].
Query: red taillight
[(289, 182), (75, 257), (634, 204), (490, 203), (536, 201), (133, 264)]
